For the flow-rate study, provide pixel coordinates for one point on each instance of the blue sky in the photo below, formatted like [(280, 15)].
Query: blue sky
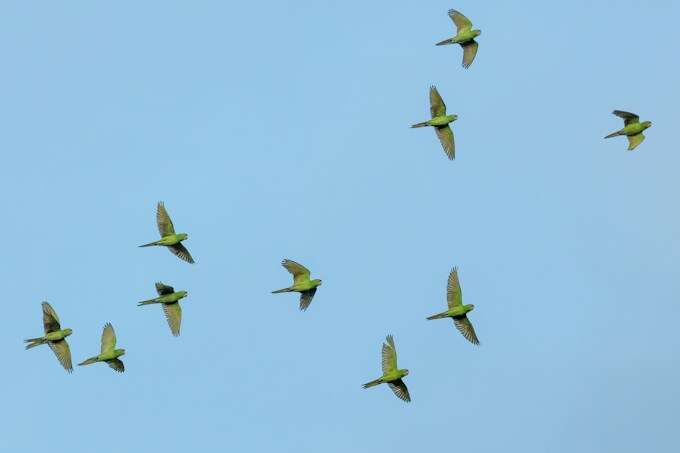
[(277, 130)]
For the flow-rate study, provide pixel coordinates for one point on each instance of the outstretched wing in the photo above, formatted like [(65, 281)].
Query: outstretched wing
[(628, 118), (635, 140), (445, 136), (181, 252), (462, 22), (173, 313), (465, 326), (108, 338), (469, 52), (63, 353), (165, 226), (389, 355), (399, 389), (164, 289), (437, 106), (50, 319), (300, 273), (454, 297), (116, 364), (306, 298)]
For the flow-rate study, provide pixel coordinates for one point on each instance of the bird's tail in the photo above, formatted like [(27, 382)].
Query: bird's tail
[(34, 342), (372, 383), (284, 290), (439, 316), (423, 124), (89, 361), (149, 244), (445, 42), (147, 302), (613, 134)]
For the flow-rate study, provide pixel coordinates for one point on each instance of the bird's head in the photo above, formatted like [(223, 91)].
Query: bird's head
[(184, 237), (478, 32), (647, 124), (318, 282), (185, 294), (405, 372), (454, 117), (472, 307), (122, 351), (68, 332)]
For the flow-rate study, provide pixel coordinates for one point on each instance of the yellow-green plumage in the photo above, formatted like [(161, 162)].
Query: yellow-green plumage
[(169, 299), (169, 238), (632, 128), (109, 354), (457, 311), (54, 336), (440, 121), (302, 283), (392, 375)]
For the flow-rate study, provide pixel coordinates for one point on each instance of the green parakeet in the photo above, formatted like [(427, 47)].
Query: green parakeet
[(440, 121), (457, 311), (109, 353), (391, 374), (632, 128), (170, 300), (168, 237), (301, 283), (55, 337), (465, 36)]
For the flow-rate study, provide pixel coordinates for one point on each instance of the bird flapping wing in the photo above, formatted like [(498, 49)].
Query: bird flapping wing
[(300, 273), (437, 106), (389, 355), (306, 298), (164, 289), (108, 338), (63, 353), (50, 319), (173, 313), (165, 226), (445, 136), (181, 252), (469, 52), (628, 118), (635, 140), (116, 364), (399, 389), (462, 22), (465, 326), (454, 296)]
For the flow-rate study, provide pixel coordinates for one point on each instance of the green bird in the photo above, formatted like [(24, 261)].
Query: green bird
[(301, 283), (55, 337), (169, 238), (465, 36), (109, 352), (440, 121), (391, 374), (170, 300), (457, 311), (632, 128)]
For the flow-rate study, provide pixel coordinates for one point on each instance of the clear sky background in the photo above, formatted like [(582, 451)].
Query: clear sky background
[(277, 130)]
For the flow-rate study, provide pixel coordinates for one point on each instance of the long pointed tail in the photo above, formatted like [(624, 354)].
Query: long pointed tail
[(439, 316), (372, 383), (147, 302), (284, 290), (89, 361), (423, 124), (445, 42), (149, 244), (614, 134), (34, 342)]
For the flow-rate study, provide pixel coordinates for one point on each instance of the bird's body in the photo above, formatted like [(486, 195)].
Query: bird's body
[(170, 300), (392, 375), (465, 36), (301, 283), (54, 336), (457, 311), (109, 354), (440, 121), (632, 128), (169, 238)]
